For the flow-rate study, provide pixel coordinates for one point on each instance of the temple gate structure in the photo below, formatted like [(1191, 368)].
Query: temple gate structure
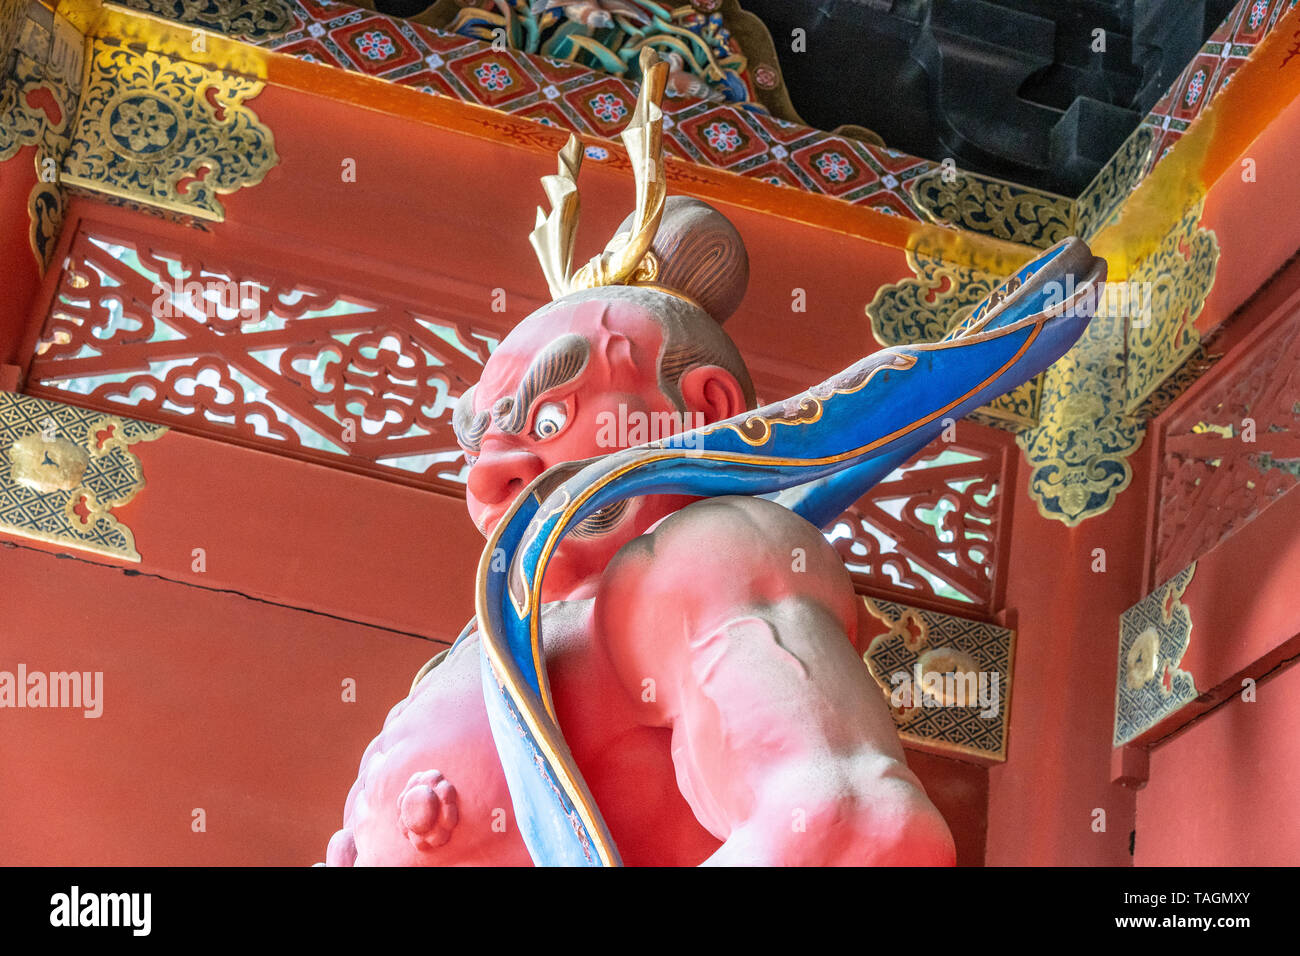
[(253, 252)]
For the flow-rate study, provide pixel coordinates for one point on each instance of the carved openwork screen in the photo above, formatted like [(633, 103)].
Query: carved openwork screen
[(1229, 449), (246, 347), (931, 531), (245, 351)]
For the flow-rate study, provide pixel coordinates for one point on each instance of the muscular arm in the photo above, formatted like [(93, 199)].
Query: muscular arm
[(731, 623)]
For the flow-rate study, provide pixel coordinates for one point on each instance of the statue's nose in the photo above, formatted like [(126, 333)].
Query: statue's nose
[(498, 475)]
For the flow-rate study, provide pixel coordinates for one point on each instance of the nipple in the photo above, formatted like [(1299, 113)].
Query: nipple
[(429, 810)]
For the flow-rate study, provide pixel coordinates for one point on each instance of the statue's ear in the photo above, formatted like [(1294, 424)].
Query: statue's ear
[(712, 391)]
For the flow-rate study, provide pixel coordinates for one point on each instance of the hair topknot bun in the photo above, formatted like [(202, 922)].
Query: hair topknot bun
[(701, 255)]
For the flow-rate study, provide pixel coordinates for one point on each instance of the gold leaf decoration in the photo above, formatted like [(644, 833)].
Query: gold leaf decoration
[(1153, 638), (993, 207), (64, 469), (1099, 204), (924, 308), (1093, 405), (1168, 290), (148, 132), (21, 124), (250, 19), (1079, 450)]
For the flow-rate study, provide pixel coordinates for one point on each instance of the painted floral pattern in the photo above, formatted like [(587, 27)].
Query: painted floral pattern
[(493, 76), (834, 167), (608, 107), (723, 137), (143, 125), (375, 45)]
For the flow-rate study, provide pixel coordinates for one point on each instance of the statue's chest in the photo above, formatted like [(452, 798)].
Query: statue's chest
[(444, 726), (589, 701), (440, 733)]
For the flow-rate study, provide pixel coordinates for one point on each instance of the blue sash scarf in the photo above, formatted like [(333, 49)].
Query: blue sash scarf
[(821, 449)]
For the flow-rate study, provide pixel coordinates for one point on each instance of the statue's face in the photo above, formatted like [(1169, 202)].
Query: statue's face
[(556, 390)]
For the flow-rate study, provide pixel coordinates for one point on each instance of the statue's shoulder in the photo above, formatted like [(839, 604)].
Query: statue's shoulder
[(738, 530), (719, 557)]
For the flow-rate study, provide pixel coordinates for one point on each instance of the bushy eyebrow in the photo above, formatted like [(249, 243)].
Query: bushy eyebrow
[(561, 362)]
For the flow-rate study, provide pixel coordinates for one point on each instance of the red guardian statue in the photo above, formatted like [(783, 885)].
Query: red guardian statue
[(702, 653)]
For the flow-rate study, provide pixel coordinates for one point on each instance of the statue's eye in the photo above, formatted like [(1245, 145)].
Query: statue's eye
[(550, 420)]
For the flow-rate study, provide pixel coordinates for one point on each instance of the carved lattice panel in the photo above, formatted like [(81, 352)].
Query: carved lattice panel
[(1231, 450), (929, 532), (247, 352)]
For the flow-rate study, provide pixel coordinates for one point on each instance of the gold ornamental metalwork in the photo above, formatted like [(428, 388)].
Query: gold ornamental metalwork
[(1079, 451), (149, 132), (990, 206), (916, 644), (627, 258), (1154, 635), (64, 469), (1093, 409), (1099, 204)]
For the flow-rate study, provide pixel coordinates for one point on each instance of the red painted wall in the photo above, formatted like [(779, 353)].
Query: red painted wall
[(1042, 800), (211, 700), (1223, 792), (960, 791)]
